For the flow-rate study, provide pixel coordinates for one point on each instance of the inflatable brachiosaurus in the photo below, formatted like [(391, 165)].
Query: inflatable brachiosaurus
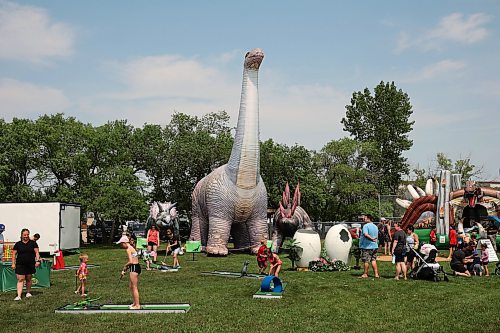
[(232, 199)]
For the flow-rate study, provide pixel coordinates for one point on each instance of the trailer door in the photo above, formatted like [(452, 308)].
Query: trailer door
[(69, 227)]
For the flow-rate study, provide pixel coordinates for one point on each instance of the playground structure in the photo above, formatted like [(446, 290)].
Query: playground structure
[(444, 196)]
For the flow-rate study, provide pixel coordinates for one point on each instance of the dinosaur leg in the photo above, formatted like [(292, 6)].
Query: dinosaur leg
[(199, 226), (240, 235), (277, 240), (218, 236), (257, 231)]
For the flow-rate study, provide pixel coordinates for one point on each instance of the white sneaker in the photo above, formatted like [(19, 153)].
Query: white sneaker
[(17, 298), (28, 295)]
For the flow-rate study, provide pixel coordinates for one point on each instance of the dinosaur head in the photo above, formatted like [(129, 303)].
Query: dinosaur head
[(287, 208), (253, 59), (472, 194)]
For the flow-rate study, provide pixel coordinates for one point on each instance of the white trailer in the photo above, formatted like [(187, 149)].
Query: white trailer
[(57, 223)]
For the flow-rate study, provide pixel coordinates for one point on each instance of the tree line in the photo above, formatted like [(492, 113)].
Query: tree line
[(116, 169)]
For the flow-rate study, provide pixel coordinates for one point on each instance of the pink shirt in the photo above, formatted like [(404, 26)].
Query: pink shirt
[(484, 255), (153, 236)]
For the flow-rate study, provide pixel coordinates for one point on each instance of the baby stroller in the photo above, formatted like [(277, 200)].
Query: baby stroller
[(426, 267)]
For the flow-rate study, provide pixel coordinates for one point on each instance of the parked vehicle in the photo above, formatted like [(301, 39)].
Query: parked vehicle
[(57, 223), (137, 228), (100, 231)]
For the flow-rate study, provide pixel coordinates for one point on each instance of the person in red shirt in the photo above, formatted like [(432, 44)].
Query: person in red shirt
[(453, 241), (153, 239), (262, 256), (433, 236)]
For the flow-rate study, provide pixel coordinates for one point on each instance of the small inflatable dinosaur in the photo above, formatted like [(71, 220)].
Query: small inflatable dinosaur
[(289, 218)]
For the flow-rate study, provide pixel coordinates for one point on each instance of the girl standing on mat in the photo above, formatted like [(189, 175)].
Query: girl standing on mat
[(274, 263), (81, 274), (134, 268)]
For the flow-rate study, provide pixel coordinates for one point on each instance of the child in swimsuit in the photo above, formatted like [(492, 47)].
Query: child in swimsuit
[(81, 274), (274, 263), (134, 268)]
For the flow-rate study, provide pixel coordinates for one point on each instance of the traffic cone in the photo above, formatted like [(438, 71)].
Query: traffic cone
[(58, 260)]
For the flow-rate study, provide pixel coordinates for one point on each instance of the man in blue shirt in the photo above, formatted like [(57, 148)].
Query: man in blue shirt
[(368, 243)]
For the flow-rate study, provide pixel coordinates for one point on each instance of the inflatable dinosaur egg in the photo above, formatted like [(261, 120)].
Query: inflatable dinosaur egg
[(310, 243), (338, 243)]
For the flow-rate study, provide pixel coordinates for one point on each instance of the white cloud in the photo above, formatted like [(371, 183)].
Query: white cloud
[(156, 87), (230, 56), (440, 70), (171, 77), (454, 27), (26, 100), (457, 28), (307, 114), (28, 34)]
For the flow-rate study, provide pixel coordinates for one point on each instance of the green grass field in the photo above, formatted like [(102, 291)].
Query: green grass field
[(312, 302)]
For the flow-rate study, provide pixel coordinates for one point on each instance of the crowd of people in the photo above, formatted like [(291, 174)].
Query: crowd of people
[(388, 238), (466, 259)]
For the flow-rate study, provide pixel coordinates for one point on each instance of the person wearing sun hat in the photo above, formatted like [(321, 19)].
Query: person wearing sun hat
[(134, 268)]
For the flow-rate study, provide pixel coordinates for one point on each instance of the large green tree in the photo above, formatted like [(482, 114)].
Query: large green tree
[(280, 164), (64, 164), (383, 119), (19, 158), (349, 184), (462, 166), (117, 195), (195, 146)]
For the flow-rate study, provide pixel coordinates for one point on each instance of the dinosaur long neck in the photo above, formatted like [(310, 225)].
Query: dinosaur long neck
[(244, 163)]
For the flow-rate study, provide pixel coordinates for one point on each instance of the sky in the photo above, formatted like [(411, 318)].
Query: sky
[(142, 61)]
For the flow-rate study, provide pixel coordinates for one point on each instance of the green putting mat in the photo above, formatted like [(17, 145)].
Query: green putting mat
[(123, 308), (233, 275), (270, 294), (74, 268), (267, 294)]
